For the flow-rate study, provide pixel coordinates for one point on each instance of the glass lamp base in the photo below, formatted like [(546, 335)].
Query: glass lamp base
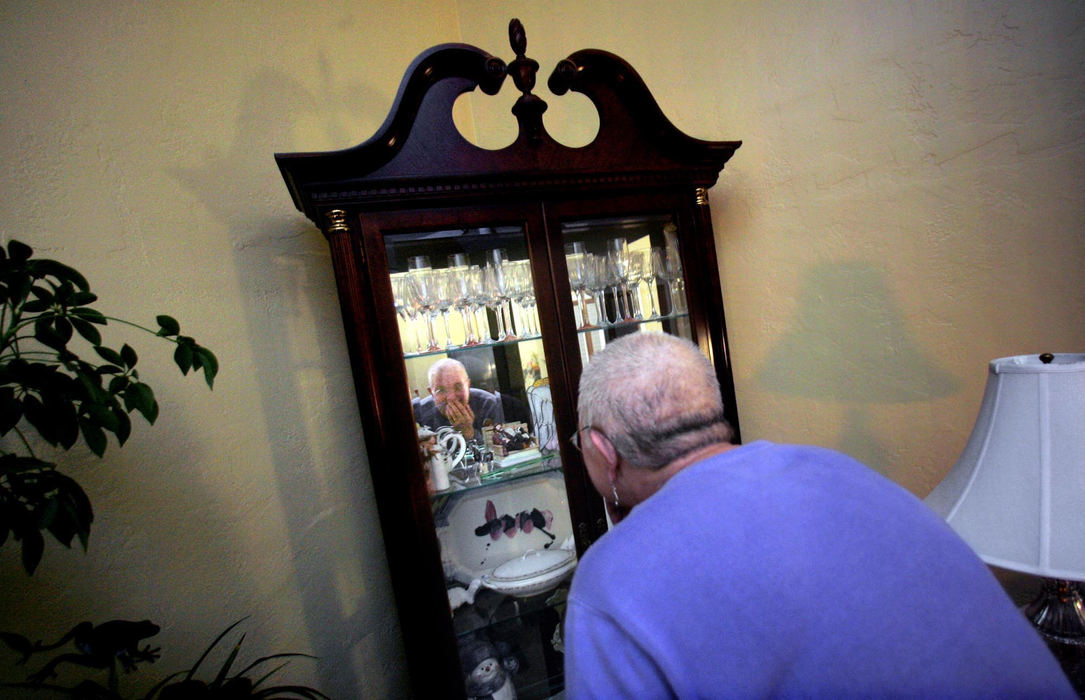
[(1058, 612)]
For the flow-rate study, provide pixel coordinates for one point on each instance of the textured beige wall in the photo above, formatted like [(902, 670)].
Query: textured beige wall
[(907, 206)]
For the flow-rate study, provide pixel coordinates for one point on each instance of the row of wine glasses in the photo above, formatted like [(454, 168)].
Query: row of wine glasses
[(428, 299), (611, 288)]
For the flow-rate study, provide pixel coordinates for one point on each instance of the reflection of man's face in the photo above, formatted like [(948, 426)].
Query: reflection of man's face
[(450, 383)]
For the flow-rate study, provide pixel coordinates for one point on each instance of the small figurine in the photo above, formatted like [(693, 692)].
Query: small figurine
[(97, 646), (487, 678)]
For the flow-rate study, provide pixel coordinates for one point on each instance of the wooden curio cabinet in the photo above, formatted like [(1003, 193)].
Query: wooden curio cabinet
[(518, 264)]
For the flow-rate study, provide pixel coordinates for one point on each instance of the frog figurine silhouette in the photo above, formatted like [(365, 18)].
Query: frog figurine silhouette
[(98, 646)]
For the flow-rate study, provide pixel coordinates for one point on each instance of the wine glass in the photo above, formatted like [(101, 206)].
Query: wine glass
[(635, 274), (577, 264), (442, 291), (461, 291), (657, 263), (479, 301), (618, 273), (496, 297), (524, 289), (407, 308), (672, 274), (597, 279), (422, 295)]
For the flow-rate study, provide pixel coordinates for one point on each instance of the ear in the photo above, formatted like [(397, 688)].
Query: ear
[(606, 449)]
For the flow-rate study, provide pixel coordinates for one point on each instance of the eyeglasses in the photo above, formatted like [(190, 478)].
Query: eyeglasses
[(574, 440)]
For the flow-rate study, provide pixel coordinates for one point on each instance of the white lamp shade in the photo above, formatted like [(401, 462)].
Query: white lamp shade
[(1017, 494)]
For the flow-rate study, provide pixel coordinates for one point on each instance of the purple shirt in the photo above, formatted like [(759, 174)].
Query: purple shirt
[(784, 571)]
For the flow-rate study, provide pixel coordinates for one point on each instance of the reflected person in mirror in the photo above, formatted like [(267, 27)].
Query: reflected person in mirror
[(768, 570), (452, 401)]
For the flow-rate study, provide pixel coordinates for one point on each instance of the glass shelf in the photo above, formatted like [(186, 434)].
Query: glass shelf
[(519, 339), (492, 608), (541, 465), (630, 323), (457, 348)]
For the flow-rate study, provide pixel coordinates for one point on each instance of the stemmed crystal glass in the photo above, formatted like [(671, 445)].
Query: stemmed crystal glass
[(597, 279), (479, 302), (405, 299), (657, 264), (498, 297), (461, 291), (672, 274), (650, 275), (578, 264), (421, 290), (635, 274), (523, 290), (618, 272), (442, 291)]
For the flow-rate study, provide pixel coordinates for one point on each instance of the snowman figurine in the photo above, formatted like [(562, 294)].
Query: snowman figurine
[(486, 677)]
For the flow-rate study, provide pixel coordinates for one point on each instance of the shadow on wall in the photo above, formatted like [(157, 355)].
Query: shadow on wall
[(295, 334), (848, 344)]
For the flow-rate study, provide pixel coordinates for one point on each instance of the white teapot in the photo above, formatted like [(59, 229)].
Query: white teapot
[(445, 453)]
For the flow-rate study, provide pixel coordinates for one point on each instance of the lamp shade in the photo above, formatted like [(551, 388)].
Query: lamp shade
[(1017, 494)]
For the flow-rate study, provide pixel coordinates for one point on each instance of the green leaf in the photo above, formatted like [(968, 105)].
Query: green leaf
[(100, 415), (46, 335), (183, 357), (62, 272), (33, 546), (43, 294), (36, 306), (109, 355), (62, 527), (62, 415), (63, 328), (209, 363), (93, 436), (19, 251), (124, 426), (82, 299), (10, 409), (92, 315), (139, 397), (167, 325), (87, 330), (38, 417), (129, 356), (118, 384), (47, 512), (76, 505)]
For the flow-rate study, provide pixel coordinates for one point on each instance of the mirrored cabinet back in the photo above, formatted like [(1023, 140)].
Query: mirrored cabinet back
[(474, 285)]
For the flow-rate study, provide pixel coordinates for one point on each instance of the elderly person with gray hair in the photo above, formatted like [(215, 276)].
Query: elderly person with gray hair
[(767, 570), (453, 402)]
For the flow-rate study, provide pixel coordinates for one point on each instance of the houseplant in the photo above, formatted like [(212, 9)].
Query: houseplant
[(59, 383)]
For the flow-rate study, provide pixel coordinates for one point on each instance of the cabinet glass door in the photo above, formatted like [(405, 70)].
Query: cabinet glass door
[(478, 383), (626, 276)]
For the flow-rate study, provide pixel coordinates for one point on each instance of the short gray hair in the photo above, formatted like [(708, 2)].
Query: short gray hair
[(443, 364), (655, 396)]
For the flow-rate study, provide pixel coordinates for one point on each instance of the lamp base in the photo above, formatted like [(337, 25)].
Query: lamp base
[(1058, 612)]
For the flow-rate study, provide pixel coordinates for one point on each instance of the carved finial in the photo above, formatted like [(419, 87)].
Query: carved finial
[(517, 37), (522, 69), (528, 108)]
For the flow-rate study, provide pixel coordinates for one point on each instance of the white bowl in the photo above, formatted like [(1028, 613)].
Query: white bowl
[(536, 571)]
